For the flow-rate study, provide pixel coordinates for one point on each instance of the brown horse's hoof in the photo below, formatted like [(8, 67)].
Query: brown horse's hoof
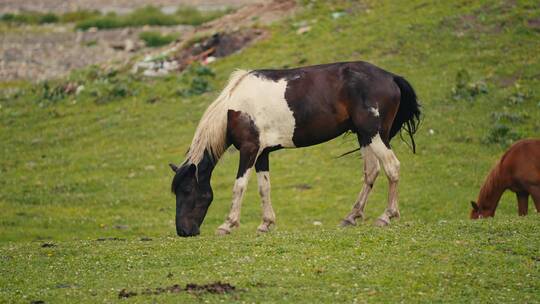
[(221, 231), (381, 223), (347, 223)]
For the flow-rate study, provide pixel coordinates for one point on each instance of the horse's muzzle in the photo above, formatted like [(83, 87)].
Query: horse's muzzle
[(194, 231)]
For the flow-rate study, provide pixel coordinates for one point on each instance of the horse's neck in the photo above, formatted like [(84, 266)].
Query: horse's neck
[(205, 167), (492, 190)]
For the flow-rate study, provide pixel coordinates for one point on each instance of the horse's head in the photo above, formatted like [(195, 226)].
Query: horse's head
[(193, 197), (480, 212)]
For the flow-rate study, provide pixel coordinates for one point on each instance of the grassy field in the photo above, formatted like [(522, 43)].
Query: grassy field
[(88, 173)]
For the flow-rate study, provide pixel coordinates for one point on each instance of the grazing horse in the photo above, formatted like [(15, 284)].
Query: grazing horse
[(261, 111), (518, 171)]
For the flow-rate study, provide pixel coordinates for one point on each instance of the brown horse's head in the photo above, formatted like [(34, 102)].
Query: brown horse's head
[(479, 212)]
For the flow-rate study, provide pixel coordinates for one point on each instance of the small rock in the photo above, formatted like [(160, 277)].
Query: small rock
[(79, 89), (170, 65), (155, 73), (431, 132), (150, 168), (317, 223), (337, 15), (129, 46), (303, 30), (209, 59)]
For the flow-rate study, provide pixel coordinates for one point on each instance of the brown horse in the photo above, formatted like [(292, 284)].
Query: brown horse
[(265, 110), (518, 171)]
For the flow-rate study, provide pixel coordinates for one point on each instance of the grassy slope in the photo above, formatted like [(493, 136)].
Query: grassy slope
[(71, 172)]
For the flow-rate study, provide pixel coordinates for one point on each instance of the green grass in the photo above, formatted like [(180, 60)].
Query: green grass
[(150, 15), (156, 39), (75, 168), (37, 18), (84, 19)]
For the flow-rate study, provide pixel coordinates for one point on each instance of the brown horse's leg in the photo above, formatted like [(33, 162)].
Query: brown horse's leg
[(371, 170), (535, 193), (523, 202)]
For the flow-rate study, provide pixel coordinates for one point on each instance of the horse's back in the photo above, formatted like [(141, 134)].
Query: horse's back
[(522, 162)]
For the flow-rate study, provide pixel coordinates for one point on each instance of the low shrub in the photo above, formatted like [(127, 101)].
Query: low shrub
[(501, 134), (156, 39), (37, 18), (150, 15), (466, 89)]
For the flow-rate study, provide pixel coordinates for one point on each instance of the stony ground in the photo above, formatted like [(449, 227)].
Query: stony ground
[(37, 53), (119, 6)]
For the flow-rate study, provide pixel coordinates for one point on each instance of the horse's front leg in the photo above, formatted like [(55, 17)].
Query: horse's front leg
[(262, 166), (371, 171), (248, 154)]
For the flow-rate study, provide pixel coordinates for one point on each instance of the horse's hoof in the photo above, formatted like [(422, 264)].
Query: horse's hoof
[(347, 223), (264, 228), (381, 223), (221, 231)]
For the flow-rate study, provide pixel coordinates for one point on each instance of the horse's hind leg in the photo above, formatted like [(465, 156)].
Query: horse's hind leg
[(391, 167), (523, 203), (535, 193), (371, 170), (262, 166), (248, 154)]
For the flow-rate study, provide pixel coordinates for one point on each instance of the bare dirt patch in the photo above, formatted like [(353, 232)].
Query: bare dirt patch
[(534, 23), (217, 46), (214, 288)]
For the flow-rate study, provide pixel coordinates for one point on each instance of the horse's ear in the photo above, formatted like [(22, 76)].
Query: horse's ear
[(173, 167), (474, 206)]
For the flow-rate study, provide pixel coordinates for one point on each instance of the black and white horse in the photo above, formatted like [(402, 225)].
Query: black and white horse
[(262, 111)]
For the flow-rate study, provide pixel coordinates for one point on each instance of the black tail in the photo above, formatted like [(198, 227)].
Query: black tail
[(408, 114)]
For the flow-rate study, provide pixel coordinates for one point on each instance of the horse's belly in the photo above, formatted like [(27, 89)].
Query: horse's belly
[(264, 101)]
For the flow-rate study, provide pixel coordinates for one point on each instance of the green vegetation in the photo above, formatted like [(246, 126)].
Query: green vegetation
[(150, 15), (156, 39), (36, 18), (78, 167)]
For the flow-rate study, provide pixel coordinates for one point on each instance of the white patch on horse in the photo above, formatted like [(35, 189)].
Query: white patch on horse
[(374, 111), (264, 101), (391, 166), (386, 156), (233, 220), (268, 215)]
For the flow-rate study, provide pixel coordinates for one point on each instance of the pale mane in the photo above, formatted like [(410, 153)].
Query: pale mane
[(212, 129)]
